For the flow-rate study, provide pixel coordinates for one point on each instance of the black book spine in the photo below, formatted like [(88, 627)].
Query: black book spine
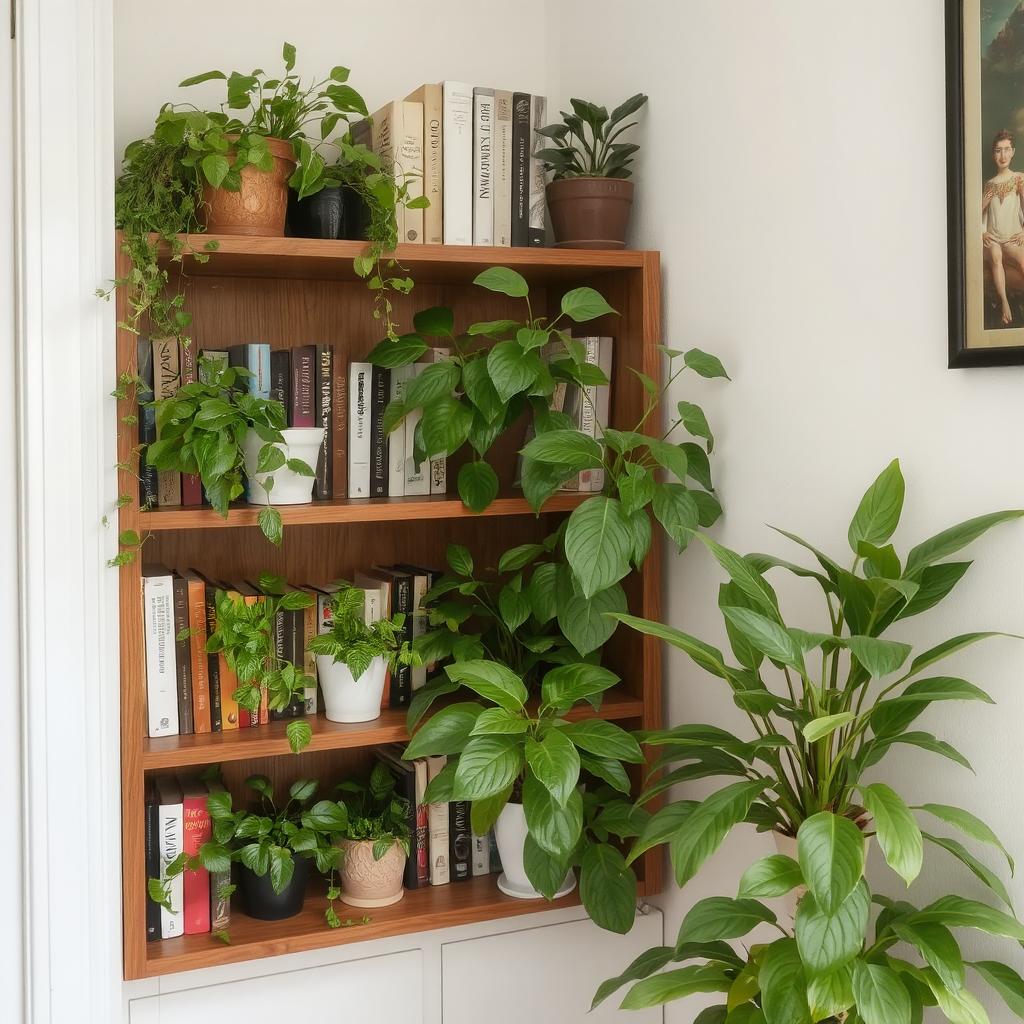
[(152, 861), (323, 487), (212, 662), (460, 841), (521, 169), (381, 389), (280, 369), (288, 632), (407, 787), (183, 657), (401, 677), (148, 488), (302, 405), (276, 714)]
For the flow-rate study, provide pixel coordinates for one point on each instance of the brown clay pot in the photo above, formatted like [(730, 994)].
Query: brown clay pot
[(590, 213), (260, 205), (366, 882)]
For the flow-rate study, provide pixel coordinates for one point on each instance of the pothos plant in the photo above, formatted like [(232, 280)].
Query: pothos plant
[(825, 707), (500, 750), (376, 813), (245, 635), (575, 155)]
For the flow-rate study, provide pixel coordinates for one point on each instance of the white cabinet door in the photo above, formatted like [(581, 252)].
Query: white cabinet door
[(382, 989), (542, 975)]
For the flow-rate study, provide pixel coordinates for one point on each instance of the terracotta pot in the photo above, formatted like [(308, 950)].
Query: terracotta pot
[(366, 882), (260, 205), (590, 213)]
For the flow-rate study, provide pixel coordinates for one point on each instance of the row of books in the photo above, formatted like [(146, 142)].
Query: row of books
[(303, 379), (472, 152), (190, 691)]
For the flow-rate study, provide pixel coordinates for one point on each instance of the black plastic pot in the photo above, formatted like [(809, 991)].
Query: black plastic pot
[(357, 216), (321, 215), (263, 903)]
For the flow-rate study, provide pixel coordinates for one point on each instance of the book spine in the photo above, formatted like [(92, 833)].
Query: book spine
[(381, 388), (457, 143), (281, 651), (537, 232), (407, 788), (418, 619), (602, 404), (191, 486), (438, 466), (414, 480), (171, 839), (433, 162), (481, 855), (410, 163), (197, 830), (422, 834), (161, 673), (302, 407), (588, 408), (220, 902), (152, 862), (385, 136), (183, 658), (323, 486), (401, 677), (339, 425), (437, 826), (280, 374), (483, 166), (213, 663), (256, 359), (460, 841), (309, 621), (201, 714), (166, 381), (148, 480), (502, 167), (520, 212), (396, 440), (360, 403)]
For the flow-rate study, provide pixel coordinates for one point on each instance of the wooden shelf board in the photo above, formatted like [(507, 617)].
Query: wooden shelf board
[(325, 259), (348, 510), (270, 740)]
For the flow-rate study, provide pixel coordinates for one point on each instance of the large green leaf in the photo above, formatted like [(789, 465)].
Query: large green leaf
[(582, 304), (487, 765), (555, 763), (587, 623), (662, 826), (956, 537), (767, 636), (476, 382), (784, 985), (555, 829), (831, 994), (980, 871), (566, 685), (492, 680), (604, 739), (957, 912), (545, 872), (598, 543), (445, 426), (1006, 981), (747, 578), (771, 876), (959, 1007), (879, 657), (898, 831), (894, 714), (722, 918), (643, 966), (447, 732), (672, 985), (504, 280), (676, 510), (819, 728), (397, 352), (831, 854), (951, 646), (827, 942), (969, 824), (935, 583), (707, 657), (876, 749), (878, 514), (565, 447), (512, 371), (608, 888), (936, 944), (880, 995), (478, 485)]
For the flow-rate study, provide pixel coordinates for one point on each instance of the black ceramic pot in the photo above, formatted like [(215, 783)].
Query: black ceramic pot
[(263, 903), (321, 215)]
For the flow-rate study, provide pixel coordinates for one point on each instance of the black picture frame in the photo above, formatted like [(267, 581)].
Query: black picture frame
[(960, 356)]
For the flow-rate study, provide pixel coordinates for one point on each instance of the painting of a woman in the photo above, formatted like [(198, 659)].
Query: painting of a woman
[(1001, 210)]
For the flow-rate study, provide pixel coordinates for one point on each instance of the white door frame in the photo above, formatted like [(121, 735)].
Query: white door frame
[(67, 639)]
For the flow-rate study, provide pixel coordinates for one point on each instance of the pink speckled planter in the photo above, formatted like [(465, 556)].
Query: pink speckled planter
[(366, 882)]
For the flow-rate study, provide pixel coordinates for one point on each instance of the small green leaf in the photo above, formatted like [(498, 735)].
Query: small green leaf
[(879, 511), (270, 523), (582, 304), (478, 485), (503, 280), (704, 364)]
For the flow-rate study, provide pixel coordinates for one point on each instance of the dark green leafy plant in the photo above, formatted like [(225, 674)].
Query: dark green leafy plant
[(352, 642), (585, 143), (825, 707), (245, 636), (376, 813)]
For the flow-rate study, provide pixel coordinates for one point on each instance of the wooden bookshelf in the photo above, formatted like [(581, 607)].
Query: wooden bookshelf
[(297, 291)]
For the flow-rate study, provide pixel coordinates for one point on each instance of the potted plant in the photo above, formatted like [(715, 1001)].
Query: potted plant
[(374, 842), (825, 707), (353, 657), (589, 197)]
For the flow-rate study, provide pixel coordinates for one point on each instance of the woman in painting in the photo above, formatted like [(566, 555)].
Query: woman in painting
[(1001, 210)]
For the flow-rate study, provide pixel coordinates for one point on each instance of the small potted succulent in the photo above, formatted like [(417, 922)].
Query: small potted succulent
[(589, 198), (353, 657), (374, 842)]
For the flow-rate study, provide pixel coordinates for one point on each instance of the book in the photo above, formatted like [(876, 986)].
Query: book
[(202, 717), (261, 716), (409, 163), (483, 166), (161, 670), (152, 812), (602, 403), (405, 771), (148, 485), (396, 440), (457, 148), (438, 466), (323, 486), (289, 646), (481, 855), (380, 388), (280, 375), (182, 657), (360, 389), (401, 602), (215, 359), (502, 167), (536, 232), (166, 381), (415, 479), (171, 832), (422, 827), (520, 206), (196, 829), (309, 630), (339, 425), (254, 357), (385, 131), (586, 417), (437, 827), (418, 619), (191, 485), (430, 96), (301, 403), (377, 601), (460, 841), (223, 707), (220, 903)]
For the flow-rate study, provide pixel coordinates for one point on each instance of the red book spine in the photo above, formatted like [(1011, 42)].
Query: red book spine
[(191, 485), (198, 830)]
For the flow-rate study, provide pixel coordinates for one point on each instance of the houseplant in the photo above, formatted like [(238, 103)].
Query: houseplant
[(374, 842), (825, 707), (353, 657), (589, 197)]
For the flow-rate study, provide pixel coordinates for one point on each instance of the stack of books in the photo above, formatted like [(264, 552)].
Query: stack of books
[(472, 151)]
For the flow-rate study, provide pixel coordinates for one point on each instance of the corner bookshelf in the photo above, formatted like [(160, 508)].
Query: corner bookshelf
[(293, 291)]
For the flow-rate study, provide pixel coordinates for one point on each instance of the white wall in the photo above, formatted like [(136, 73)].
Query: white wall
[(793, 177)]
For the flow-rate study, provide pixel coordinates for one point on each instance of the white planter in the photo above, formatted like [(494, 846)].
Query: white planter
[(510, 834), (289, 488), (347, 699)]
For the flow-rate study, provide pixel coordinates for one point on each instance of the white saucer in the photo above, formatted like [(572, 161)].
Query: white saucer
[(529, 893)]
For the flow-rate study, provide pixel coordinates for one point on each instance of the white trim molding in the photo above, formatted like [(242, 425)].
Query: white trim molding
[(66, 428)]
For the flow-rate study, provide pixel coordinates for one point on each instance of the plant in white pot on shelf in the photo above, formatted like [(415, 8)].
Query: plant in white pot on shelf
[(825, 706), (353, 657)]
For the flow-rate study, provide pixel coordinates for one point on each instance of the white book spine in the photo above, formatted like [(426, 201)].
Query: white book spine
[(418, 675), (161, 665), (538, 198), (371, 605), (602, 403), (502, 167), (172, 837), (437, 828), (359, 446), (414, 481), (588, 406), (439, 466), (385, 135), (457, 175), (481, 855), (483, 166), (400, 376), (410, 161), (433, 175)]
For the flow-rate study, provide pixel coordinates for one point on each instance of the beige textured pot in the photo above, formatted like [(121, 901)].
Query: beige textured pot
[(590, 213), (260, 205), (366, 882)]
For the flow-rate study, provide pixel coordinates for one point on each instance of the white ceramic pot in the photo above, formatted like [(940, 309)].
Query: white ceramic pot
[(347, 699), (366, 882), (510, 834), (289, 488)]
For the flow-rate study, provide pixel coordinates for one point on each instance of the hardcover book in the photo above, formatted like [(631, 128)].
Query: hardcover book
[(323, 486), (280, 375), (396, 440), (502, 167), (201, 712), (386, 127), (460, 841), (171, 831), (433, 161), (437, 824), (380, 389), (339, 425), (148, 483), (161, 671), (166, 381), (183, 657), (152, 810), (302, 411), (197, 829), (220, 901), (360, 404), (406, 787), (483, 166), (536, 232), (409, 161), (191, 485), (457, 143), (520, 211)]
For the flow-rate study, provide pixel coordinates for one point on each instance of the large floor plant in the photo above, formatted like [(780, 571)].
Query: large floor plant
[(825, 707)]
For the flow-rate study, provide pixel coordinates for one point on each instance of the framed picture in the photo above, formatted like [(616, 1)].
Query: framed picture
[(985, 118)]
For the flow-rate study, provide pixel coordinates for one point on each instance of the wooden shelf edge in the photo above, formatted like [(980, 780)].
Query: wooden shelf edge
[(270, 740)]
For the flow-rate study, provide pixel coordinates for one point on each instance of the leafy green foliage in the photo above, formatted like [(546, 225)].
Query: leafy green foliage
[(584, 141), (376, 813)]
